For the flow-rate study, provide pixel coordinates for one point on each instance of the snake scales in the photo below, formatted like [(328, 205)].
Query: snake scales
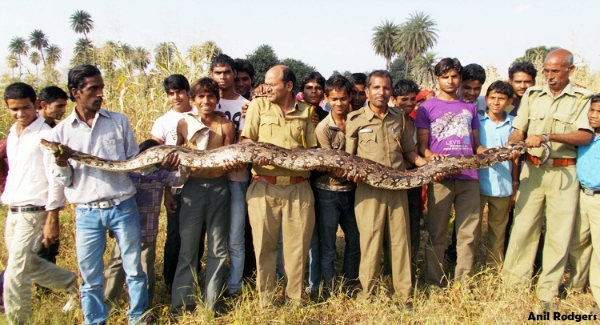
[(375, 174)]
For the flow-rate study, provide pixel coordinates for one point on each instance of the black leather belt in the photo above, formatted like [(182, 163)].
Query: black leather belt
[(588, 191), (27, 208)]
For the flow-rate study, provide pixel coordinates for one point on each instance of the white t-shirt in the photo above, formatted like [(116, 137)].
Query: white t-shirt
[(165, 127), (232, 108), (233, 111)]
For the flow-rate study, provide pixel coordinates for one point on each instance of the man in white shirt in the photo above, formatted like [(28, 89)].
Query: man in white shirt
[(105, 200), (28, 221), (230, 103)]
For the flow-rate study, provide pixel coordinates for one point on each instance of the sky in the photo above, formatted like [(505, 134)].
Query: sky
[(327, 34)]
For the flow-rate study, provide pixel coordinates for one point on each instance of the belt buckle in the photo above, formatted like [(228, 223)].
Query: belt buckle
[(283, 180), (104, 204), (588, 191)]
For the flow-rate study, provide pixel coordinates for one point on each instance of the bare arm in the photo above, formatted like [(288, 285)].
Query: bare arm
[(516, 136), (414, 158), (477, 147), (423, 142), (181, 132)]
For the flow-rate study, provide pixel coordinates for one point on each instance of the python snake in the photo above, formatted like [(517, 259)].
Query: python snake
[(375, 174)]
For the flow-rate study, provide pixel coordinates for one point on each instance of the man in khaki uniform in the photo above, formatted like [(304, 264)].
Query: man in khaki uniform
[(378, 132), (280, 199), (554, 114)]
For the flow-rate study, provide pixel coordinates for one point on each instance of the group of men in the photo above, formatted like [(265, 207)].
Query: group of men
[(297, 212)]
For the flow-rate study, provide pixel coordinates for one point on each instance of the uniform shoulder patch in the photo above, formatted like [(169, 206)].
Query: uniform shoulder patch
[(352, 115)]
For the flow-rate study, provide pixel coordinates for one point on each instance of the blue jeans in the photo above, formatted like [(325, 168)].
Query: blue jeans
[(90, 236), (338, 208), (237, 229)]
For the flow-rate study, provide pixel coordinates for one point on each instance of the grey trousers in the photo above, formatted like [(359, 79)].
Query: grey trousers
[(203, 200)]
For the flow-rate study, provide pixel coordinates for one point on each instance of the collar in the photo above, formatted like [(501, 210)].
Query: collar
[(74, 117), (369, 114), (568, 90), (507, 118), (35, 126)]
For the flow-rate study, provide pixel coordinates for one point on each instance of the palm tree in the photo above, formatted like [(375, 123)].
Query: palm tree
[(35, 59), (82, 23), (18, 47), (383, 40), (163, 54), (423, 69), (39, 40), (140, 59), (83, 52), (417, 35), (13, 63), (53, 54)]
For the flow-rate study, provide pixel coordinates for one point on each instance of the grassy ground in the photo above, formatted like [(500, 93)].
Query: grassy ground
[(484, 301)]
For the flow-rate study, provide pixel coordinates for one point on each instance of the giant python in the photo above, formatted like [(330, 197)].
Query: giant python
[(375, 174)]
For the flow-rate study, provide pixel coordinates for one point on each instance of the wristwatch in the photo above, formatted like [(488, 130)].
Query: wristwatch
[(547, 137)]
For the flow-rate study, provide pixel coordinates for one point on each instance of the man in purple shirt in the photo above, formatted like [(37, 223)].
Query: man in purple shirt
[(448, 125)]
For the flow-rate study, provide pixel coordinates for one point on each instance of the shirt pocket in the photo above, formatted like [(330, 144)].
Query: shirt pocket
[(269, 127), (536, 121), (367, 143), (297, 129), (562, 122), (113, 149)]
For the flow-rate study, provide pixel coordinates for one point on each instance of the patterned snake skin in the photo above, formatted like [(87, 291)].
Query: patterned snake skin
[(374, 174)]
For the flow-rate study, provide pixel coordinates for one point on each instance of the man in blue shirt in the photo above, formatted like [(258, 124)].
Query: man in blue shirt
[(498, 183), (584, 252)]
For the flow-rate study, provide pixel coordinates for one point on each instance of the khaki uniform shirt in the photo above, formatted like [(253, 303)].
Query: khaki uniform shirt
[(265, 122), (541, 113), (330, 136), (383, 141)]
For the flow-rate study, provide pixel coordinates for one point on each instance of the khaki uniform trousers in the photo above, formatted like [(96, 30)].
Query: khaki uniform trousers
[(464, 194), (287, 209), (556, 188), (383, 214), (589, 207), (497, 216), (23, 237)]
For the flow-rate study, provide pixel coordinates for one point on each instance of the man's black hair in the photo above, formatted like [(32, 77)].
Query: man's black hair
[(205, 84), (176, 82), (447, 64), (222, 59), (51, 94), (337, 83), (501, 87), (289, 75), (526, 67), (243, 65), (313, 76), (77, 76), (378, 73), (358, 78), (19, 90), (595, 99), (148, 144), (474, 72), (404, 87)]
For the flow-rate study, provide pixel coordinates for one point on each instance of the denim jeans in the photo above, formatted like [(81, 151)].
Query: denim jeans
[(90, 237), (237, 245), (338, 208)]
